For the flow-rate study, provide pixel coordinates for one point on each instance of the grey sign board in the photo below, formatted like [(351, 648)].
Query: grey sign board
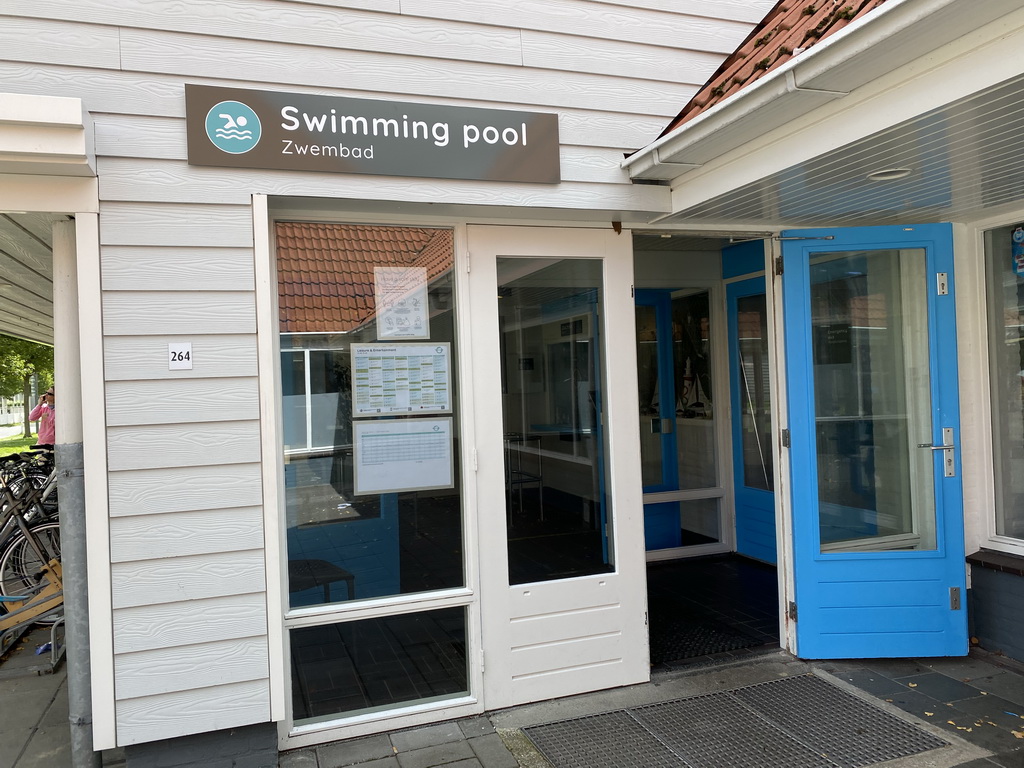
[(229, 127)]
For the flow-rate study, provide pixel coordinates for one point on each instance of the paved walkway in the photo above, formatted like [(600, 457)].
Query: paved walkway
[(972, 703), (975, 703)]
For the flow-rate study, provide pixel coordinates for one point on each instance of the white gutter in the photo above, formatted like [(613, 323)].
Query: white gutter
[(895, 34)]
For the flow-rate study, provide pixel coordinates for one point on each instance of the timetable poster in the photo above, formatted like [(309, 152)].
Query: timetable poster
[(401, 379), (393, 455)]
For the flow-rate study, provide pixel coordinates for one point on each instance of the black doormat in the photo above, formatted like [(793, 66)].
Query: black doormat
[(690, 637)]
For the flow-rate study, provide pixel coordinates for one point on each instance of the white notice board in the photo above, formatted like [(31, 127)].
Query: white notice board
[(402, 378), (401, 296), (392, 455)]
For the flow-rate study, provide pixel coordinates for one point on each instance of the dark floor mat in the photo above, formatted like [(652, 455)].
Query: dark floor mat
[(691, 637), (798, 722)]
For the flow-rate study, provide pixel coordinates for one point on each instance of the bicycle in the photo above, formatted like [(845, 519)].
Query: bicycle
[(31, 586)]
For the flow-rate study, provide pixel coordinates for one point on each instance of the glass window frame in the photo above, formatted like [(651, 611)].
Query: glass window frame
[(464, 597), (724, 490), (988, 384)]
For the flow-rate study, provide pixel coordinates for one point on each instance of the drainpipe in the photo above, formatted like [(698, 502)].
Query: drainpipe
[(71, 492)]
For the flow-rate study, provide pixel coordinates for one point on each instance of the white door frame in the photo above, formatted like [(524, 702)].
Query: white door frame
[(558, 638)]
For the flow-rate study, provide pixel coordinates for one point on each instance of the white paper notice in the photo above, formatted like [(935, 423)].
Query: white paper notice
[(401, 378), (393, 455), (401, 296)]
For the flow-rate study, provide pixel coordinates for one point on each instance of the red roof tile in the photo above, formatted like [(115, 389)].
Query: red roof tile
[(789, 29), (325, 271)]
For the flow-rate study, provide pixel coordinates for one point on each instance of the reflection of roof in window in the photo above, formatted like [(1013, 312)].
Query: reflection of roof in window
[(789, 29), (325, 271)]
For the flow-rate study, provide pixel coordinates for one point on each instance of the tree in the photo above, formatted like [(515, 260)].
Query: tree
[(20, 361)]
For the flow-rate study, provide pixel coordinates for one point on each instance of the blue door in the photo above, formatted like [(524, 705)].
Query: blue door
[(871, 381), (750, 378)]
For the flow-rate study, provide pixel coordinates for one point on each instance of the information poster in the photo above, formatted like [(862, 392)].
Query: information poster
[(401, 296), (392, 455), (401, 379)]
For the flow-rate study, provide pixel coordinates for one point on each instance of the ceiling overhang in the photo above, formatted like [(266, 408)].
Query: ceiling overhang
[(917, 83)]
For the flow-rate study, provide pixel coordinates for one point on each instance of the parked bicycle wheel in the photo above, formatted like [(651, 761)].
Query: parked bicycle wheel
[(20, 566)]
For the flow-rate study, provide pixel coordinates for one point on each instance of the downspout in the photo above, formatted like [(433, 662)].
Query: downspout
[(71, 492)]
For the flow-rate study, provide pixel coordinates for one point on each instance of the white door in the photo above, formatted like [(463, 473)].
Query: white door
[(563, 590)]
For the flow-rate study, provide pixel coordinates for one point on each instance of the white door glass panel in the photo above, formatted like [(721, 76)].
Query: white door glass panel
[(579, 631)]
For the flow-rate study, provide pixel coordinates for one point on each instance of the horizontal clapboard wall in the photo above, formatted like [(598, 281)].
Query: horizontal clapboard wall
[(189, 630)]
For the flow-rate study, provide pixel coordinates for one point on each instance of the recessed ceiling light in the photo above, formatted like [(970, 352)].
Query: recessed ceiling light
[(666, 235), (890, 174)]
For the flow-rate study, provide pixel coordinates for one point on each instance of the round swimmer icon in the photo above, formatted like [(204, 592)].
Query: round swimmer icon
[(233, 127)]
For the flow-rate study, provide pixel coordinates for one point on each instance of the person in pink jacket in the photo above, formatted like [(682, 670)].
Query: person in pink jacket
[(43, 413)]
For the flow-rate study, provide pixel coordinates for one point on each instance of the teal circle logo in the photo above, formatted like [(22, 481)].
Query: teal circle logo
[(233, 127)]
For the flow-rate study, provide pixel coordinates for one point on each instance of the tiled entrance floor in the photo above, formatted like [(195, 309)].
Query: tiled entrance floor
[(980, 698)]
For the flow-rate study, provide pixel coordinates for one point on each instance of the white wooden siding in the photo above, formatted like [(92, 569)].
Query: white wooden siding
[(145, 357), (192, 269), (185, 533), (183, 445), (182, 579), (165, 670), (181, 489), (182, 401), (188, 632), (148, 627), (168, 715)]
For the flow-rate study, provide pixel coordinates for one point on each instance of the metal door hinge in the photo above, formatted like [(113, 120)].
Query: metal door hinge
[(476, 460), (785, 438), (954, 598), (791, 612), (778, 265), (469, 258)]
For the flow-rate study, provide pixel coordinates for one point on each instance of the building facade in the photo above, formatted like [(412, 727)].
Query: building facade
[(405, 344)]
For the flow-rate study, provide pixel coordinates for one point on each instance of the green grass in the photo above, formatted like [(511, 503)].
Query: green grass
[(15, 444)]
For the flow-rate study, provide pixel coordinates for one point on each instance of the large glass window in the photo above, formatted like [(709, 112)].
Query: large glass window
[(552, 403), (1005, 278), (375, 664), (872, 400), (370, 412)]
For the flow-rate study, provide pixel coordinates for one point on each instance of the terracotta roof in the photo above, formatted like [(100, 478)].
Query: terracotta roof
[(325, 271), (789, 29)]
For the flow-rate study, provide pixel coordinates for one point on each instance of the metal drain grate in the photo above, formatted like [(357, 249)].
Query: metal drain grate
[(614, 739), (798, 722), (854, 734), (716, 731)]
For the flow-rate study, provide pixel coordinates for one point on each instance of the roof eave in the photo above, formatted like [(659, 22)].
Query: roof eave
[(892, 36)]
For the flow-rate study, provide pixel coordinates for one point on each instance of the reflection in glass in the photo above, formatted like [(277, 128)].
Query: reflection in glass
[(343, 546), (558, 514), (647, 377), (695, 414), (1006, 353), (373, 664), (755, 396), (872, 400), (671, 524)]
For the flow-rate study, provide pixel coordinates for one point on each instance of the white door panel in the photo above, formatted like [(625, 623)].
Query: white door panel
[(557, 636)]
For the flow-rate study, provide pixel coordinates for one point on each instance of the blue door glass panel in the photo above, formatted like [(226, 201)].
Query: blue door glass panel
[(658, 399), (871, 383), (749, 374)]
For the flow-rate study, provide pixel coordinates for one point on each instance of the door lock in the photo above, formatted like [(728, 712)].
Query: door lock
[(947, 447)]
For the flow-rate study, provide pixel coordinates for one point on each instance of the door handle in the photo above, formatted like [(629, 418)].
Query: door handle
[(948, 460)]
